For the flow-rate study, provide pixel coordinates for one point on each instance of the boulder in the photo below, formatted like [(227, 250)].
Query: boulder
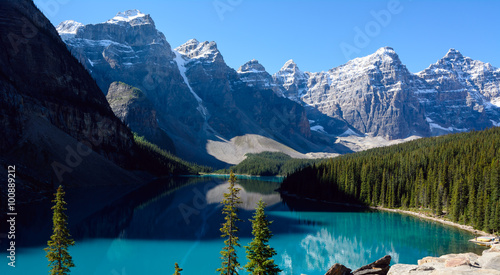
[(490, 261), (401, 269), (380, 266), (431, 260), (458, 261), (338, 269), (494, 248)]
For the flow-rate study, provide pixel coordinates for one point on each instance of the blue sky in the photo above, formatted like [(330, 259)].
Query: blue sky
[(317, 34)]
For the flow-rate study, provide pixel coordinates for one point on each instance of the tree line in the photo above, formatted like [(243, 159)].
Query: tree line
[(269, 164), (455, 176), (159, 162)]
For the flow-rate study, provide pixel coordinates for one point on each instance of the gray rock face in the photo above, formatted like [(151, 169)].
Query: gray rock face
[(235, 107), (255, 75), (374, 94), (464, 96), (134, 109), (293, 81)]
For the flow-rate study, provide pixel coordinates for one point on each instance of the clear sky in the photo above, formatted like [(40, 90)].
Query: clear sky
[(317, 34)]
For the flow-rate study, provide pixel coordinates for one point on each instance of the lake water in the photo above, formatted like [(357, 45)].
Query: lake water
[(148, 230)]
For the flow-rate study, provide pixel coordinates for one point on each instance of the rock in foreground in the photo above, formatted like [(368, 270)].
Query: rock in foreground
[(453, 264), (379, 267)]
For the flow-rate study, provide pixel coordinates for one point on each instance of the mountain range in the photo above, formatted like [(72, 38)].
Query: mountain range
[(215, 115)]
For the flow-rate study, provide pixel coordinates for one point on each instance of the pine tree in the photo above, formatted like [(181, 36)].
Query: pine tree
[(230, 264), (57, 250), (177, 269), (259, 253)]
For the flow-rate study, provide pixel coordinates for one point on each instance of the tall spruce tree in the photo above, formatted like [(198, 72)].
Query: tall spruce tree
[(229, 229), (57, 251), (177, 269), (259, 253)]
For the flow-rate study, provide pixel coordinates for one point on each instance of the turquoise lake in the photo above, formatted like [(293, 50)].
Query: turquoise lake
[(178, 220)]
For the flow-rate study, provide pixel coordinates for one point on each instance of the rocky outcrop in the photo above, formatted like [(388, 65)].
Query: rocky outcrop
[(134, 109), (338, 269), (379, 267), (453, 264)]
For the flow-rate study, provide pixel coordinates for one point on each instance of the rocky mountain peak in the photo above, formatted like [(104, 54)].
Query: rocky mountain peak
[(196, 50), (292, 80), (255, 75), (290, 71), (252, 66), (382, 55), (131, 17), (68, 27), (291, 66), (453, 55)]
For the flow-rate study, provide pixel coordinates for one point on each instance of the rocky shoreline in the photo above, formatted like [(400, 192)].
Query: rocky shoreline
[(436, 219), (451, 264)]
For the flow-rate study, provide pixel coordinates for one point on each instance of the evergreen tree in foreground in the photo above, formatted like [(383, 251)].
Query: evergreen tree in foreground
[(57, 250), (259, 253), (177, 269), (229, 229)]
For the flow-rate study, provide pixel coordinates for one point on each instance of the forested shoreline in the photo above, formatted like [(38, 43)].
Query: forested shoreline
[(455, 176)]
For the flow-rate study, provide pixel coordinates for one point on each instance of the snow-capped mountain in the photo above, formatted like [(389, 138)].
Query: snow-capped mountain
[(255, 75), (68, 29), (132, 18), (200, 102), (374, 94), (208, 108), (377, 95), (465, 94), (292, 79)]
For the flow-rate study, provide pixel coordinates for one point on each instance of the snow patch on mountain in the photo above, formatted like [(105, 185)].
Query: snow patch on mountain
[(293, 80), (68, 29), (132, 17), (318, 128), (435, 126), (181, 64), (195, 50), (496, 102), (349, 132)]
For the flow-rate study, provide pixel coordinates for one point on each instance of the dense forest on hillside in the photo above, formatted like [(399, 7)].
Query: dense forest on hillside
[(269, 164), (455, 175), (159, 162)]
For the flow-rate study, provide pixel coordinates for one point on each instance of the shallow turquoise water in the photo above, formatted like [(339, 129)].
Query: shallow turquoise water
[(148, 232)]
